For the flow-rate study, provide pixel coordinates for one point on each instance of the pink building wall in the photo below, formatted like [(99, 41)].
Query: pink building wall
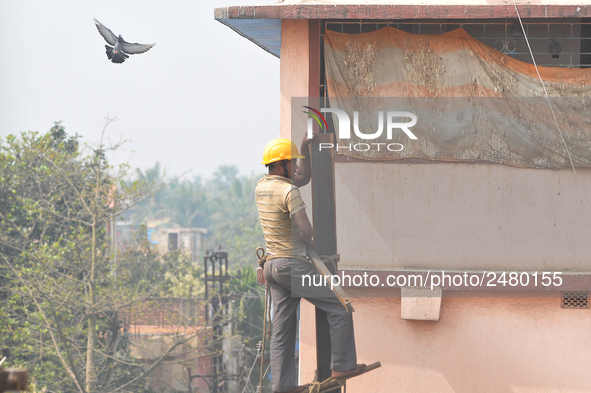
[(454, 216), (496, 345), (462, 216)]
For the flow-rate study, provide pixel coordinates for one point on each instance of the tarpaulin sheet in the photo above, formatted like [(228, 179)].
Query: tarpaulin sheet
[(471, 101)]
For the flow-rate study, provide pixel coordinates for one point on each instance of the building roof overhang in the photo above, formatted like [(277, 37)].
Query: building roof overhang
[(262, 24)]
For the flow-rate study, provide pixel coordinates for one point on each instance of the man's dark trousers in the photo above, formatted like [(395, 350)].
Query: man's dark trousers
[(284, 276)]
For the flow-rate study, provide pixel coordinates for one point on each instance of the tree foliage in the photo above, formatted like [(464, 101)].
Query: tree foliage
[(63, 288), (61, 293)]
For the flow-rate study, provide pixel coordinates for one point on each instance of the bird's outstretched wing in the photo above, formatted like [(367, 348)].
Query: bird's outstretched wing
[(106, 33), (134, 49)]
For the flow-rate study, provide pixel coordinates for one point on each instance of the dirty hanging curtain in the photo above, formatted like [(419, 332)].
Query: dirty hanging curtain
[(472, 102)]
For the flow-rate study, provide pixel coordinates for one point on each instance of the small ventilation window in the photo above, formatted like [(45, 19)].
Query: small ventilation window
[(575, 300)]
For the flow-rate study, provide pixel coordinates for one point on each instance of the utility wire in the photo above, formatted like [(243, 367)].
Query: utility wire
[(252, 368), (551, 107)]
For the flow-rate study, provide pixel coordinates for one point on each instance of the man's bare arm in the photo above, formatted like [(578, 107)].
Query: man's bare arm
[(306, 231), (303, 175)]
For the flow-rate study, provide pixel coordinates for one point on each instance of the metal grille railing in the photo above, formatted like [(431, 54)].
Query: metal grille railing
[(571, 37)]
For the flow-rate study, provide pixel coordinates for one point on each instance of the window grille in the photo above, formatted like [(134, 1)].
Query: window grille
[(504, 35)]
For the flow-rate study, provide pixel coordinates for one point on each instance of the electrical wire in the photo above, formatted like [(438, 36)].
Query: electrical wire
[(267, 370), (252, 368), (551, 107)]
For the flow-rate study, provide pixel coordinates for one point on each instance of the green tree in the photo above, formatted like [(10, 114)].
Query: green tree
[(61, 292)]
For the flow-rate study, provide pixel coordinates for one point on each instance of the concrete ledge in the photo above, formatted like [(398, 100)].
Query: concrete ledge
[(420, 303)]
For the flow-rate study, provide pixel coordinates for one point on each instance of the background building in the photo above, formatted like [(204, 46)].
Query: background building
[(186, 239)]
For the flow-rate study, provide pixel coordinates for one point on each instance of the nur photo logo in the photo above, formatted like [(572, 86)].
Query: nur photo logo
[(388, 120)]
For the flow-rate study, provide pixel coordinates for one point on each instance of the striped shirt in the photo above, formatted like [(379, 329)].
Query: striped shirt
[(278, 199)]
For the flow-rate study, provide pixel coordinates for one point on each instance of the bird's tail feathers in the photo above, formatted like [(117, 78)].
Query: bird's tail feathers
[(119, 57), (109, 51)]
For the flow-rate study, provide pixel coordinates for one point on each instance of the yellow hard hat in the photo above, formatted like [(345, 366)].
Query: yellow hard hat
[(280, 149)]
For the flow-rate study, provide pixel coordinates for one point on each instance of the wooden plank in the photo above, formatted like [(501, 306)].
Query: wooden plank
[(330, 383), (324, 218), (323, 270), (324, 222), (324, 215), (323, 199)]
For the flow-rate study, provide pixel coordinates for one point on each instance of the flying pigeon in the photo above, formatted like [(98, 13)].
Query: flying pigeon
[(121, 48), (554, 48)]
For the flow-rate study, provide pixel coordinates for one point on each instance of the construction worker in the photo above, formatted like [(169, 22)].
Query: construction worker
[(287, 232)]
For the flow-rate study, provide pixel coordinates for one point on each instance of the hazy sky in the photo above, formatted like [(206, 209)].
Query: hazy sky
[(202, 97)]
